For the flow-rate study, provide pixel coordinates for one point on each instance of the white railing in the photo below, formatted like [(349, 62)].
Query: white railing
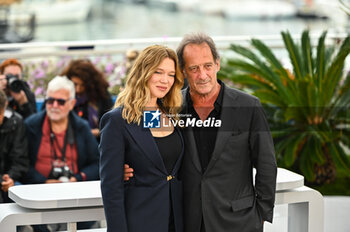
[(81, 201), (119, 46)]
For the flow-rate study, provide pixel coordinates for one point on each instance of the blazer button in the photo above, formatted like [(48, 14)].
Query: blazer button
[(169, 178)]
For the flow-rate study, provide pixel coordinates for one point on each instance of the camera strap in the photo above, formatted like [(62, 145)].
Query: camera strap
[(68, 138)]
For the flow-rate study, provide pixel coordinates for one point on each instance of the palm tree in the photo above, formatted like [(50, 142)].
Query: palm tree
[(307, 107)]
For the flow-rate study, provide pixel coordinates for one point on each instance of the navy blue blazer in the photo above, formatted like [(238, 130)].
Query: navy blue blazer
[(143, 203)]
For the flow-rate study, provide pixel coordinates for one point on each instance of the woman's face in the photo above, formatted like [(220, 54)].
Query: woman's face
[(79, 85), (3, 82), (14, 70), (162, 79)]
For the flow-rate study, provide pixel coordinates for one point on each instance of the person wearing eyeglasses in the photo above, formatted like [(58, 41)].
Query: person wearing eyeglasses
[(61, 146)]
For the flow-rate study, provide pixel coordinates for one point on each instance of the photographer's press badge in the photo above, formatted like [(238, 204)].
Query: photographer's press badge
[(151, 119)]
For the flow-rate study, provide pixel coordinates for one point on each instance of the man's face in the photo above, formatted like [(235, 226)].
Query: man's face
[(200, 69), (14, 70), (58, 105)]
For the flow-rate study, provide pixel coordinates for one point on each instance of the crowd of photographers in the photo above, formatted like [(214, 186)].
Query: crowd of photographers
[(53, 145)]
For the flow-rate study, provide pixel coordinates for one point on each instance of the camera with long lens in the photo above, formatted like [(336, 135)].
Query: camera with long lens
[(14, 83), (60, 171)]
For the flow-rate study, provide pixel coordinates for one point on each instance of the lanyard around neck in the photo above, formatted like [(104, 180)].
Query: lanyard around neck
[(53, 139)]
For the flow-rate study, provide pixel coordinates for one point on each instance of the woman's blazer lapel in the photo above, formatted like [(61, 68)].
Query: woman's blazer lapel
[(144, 139)]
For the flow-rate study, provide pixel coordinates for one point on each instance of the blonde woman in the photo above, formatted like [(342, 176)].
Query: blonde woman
[(152, 199)]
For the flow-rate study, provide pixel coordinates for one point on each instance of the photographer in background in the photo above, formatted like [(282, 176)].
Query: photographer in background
[(60, 144), (13, 148), (20, 97)]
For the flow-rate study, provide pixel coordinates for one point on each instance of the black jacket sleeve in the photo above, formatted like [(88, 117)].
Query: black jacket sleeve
[(18, 154), (28, 108)]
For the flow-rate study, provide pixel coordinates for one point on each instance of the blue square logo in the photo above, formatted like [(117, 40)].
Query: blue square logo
[(151, 119)]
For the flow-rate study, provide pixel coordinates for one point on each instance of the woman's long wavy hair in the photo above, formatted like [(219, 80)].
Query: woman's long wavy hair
[(136, 94), (94, 81)]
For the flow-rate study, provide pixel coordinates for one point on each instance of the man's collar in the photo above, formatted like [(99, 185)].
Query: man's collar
[(218, 101)]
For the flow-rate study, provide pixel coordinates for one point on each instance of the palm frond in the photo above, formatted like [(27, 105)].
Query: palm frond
[(291, 151), (334, 72), (339, 156), (306, 166), (307, 54), (271, 58), (321, 60), (294, 55)]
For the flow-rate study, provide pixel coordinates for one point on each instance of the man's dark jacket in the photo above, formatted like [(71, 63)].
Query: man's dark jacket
[(224, 194), (87, 148), (13, 147)]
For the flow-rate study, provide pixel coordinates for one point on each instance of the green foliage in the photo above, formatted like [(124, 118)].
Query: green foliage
[(307, 107), (340, 186)]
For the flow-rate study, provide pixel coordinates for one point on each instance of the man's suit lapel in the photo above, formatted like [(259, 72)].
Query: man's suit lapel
[(190, 142), (230, 107), (144, 139), (192, 148)]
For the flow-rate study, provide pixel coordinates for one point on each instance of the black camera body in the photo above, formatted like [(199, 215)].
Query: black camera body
[(14, 83), (63, 173)]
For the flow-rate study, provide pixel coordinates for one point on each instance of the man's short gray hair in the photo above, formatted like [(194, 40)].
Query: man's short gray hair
[(61, 82), (195, 38)]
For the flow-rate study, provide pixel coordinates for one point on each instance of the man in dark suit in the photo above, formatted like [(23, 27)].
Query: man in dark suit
[(217, 170)]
